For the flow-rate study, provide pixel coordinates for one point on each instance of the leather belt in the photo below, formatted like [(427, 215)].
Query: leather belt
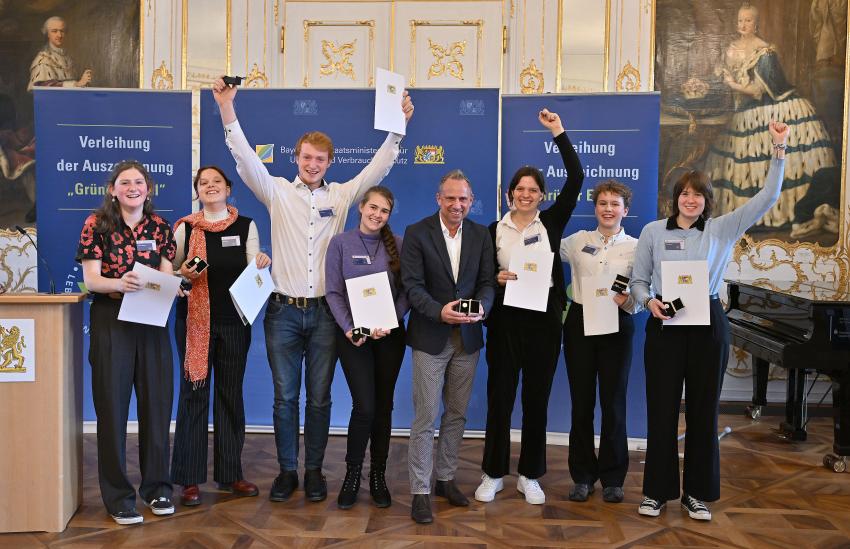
[(300, 302)]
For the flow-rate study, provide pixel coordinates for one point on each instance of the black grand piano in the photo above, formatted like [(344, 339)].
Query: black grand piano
[(803, 327)]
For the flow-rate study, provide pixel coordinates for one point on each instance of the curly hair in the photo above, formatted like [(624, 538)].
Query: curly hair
[(613, 186), (109, 213)]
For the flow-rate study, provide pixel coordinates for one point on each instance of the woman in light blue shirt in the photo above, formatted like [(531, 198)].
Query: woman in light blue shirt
[(693, 355)]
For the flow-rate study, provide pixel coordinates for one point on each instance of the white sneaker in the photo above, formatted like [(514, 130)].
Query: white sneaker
[(488, 488), (532, 490)]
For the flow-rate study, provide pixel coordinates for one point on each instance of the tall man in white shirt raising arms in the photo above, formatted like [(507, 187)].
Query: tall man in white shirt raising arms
[(305, 214)]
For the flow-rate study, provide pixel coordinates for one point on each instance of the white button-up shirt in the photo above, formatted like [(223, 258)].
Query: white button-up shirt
[(453, 244), (303, 221), (509, 236), (615, 254)]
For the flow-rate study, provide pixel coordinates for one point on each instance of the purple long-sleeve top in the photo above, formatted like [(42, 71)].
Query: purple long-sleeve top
[(345, 259)]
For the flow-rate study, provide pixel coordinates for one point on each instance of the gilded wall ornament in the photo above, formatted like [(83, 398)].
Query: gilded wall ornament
[(446, 60), (162, 79), (531, 79), (256, 78), (629, 79), (338, 58)]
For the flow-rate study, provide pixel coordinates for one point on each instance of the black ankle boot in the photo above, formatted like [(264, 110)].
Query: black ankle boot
[(378, 485), (350, 486)]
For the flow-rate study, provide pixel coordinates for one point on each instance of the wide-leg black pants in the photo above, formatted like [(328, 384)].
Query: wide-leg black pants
[(124, 356), (228, 354), (520, 340), (607, 358), (697, 357)]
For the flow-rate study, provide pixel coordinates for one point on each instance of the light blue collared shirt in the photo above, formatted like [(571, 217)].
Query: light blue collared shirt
[(712, 240)]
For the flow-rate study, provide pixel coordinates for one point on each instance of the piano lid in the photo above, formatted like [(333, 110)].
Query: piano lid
[(820, 292)]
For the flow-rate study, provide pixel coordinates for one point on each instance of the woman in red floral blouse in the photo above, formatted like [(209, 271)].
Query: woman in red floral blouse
[(124, 355)]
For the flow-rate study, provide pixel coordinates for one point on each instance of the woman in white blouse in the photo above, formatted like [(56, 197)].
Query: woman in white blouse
[(607, 357)]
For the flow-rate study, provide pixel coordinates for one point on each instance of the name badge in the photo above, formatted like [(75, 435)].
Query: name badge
[(361, 260), (674, 245), (326, 212), (590, 249), (146, 245), (230, 241), (532, 239)]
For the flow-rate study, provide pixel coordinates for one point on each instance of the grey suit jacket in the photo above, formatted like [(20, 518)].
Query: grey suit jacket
[(426, 272)]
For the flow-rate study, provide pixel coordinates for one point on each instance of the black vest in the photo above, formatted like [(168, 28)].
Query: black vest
[(225, 266)]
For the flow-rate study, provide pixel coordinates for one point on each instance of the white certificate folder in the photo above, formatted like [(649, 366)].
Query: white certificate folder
[(533, 269), (251, 291), (688, 281), (371, 301), (152, 303), (389, 90), (598, 305)]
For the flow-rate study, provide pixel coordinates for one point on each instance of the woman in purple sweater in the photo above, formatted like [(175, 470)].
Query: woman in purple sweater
[(371, 365)]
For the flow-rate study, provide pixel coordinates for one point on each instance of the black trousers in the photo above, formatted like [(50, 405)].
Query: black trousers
[(123, 356), (607, 358), (520, 340), (371, 371), (228, 353), (697, 356)]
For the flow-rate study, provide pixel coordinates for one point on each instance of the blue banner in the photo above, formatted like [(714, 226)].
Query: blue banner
[(80, 134), (451, 129), (616, 137)]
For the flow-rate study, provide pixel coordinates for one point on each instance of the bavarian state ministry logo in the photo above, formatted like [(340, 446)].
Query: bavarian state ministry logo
[(429, 154), (266, 153)]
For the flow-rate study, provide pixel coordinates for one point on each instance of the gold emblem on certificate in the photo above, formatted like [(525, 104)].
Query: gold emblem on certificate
[(153, 286), (259, 280), (391, 89), (530, 266), (686, 279), (369, 292), (601, 292)]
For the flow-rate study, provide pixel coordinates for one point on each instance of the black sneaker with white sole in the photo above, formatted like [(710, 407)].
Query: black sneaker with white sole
[(696, 509), (161, 506), (651, 507), (127, 517)]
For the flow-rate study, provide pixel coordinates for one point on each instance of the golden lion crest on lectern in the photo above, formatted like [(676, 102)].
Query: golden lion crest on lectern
[(12, 346)]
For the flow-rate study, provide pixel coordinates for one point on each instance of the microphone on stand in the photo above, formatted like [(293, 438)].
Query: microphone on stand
[(43, 260)]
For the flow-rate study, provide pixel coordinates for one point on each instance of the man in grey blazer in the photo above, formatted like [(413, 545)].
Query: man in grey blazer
[(444, 259)]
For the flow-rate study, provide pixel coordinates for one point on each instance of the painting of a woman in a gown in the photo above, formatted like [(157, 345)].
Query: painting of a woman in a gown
[(738, 160)]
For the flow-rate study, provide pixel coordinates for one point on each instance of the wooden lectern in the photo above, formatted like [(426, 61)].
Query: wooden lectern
[(41, 422)]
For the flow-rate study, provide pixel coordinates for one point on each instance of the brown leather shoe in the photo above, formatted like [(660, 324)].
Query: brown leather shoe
[(241, 488), (191, 495)]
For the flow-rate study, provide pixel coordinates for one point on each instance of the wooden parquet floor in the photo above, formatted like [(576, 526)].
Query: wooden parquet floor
[(774, 494)]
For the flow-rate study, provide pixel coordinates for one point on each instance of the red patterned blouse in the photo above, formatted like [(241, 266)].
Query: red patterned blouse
[(149, 243)]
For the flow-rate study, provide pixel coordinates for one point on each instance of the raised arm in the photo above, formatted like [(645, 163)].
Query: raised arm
[(732, 225), (249, 166), (382, 162), (566, 201)]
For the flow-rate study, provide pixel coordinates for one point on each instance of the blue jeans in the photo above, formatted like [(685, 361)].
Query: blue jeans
[(293, 335)]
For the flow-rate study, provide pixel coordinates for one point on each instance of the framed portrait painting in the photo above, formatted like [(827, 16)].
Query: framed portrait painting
[(726, 68)]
